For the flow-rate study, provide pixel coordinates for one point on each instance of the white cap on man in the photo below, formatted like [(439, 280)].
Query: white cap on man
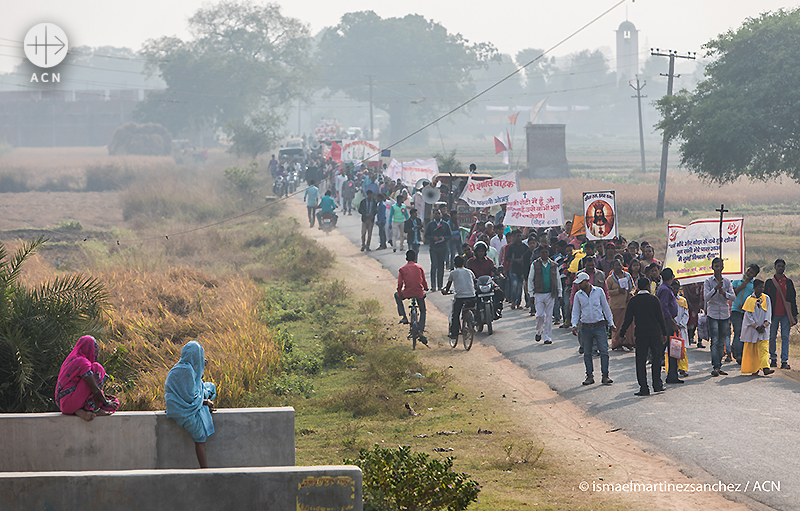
[(582, 276)]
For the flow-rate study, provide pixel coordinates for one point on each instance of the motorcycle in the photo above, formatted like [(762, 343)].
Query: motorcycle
[(327, 222), (291, 182), (484, 309), (279, 187)]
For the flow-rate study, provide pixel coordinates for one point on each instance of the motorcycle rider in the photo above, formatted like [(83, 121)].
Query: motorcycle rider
[(481, 265), (327, 205)]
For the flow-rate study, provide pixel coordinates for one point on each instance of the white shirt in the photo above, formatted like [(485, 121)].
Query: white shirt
[(757, 318), (591, 308), (716, 302), (498, 243)]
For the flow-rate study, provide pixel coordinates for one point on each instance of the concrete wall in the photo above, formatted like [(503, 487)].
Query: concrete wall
[(324, 488), (41, 442)]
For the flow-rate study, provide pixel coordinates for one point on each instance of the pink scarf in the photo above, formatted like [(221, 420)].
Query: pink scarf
[(78, 362)]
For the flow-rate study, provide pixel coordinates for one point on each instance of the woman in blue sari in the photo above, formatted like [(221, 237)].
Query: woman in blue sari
[(189, 399)]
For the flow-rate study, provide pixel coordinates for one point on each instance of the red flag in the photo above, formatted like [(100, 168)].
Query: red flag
[(513, 118), (336, 152), (499, 146)]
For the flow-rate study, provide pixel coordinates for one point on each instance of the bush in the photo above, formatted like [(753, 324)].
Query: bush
[(13, 182), (397, 479), (243, 179), (145, 139), (101, 178)]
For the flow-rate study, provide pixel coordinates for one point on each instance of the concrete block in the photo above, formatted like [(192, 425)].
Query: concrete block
[(324, 488), (54, 441), (244, 437)]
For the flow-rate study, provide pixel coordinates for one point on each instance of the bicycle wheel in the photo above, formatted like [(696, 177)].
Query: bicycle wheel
[(488, 315), (467, 329), (414, 327)]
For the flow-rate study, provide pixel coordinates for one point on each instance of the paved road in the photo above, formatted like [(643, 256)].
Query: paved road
[(739, 430)]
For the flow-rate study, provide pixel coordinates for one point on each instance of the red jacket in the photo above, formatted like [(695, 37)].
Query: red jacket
[(411, 281)]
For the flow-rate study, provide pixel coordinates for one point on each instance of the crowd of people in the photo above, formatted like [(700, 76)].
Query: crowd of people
[(597, 288)]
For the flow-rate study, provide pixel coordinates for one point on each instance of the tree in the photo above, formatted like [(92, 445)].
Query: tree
[(146, 139), (536, 74), (419, 69), (38, 328), (743, 119), (255, 135), (243, 59)]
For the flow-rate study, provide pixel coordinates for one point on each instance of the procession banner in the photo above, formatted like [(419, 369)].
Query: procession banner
[(600, 213), (691, 248), (412, 171), (360, 150), (481, 194), (539, 208)]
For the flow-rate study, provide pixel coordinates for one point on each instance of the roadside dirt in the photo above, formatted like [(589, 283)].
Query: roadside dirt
[(590, 451)]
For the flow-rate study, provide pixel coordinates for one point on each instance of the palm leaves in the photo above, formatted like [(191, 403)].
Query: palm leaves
[(38, 327)]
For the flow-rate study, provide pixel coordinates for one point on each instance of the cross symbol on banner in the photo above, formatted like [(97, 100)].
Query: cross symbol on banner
[(524, 195)]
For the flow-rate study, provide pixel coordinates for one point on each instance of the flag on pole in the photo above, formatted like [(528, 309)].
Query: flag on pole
[(336, 152), (499, 146), (508, 140), (513, 118)]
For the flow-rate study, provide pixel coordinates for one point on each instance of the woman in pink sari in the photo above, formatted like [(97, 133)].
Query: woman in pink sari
[(79, 390)]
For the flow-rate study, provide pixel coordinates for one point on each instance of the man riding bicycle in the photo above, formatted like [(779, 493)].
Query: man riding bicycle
[(463, 280), (411, 283)]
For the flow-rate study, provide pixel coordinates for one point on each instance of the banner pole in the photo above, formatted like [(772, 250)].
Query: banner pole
[(722, 212)]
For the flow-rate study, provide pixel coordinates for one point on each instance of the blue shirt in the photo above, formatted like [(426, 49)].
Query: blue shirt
[(327, 204), (311, 196), (591, 308), (743, 294)]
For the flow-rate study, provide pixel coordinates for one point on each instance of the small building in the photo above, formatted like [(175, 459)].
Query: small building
[(547, 151)]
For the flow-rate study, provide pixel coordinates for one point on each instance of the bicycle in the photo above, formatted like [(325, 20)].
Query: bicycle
[(413, 326), (467, 332)]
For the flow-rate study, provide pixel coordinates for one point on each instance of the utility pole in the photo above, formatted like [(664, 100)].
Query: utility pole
[(662, 181), (371, 126), (298, 117), (639, 97)]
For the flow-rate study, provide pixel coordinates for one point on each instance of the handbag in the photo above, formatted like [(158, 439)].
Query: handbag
[(786, 307), (676, 349)]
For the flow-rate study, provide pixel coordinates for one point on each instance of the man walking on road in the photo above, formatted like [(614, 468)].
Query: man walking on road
[(592, 311), (669, 308), (368, 208), (650, 333), (437, 234), (717, 290), (411, 283), (312, 200), (544, 285), (783, 297), (381, 221)]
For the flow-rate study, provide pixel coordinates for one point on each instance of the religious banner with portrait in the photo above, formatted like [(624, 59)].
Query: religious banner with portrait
[(691, 249), (539, 208), (600, 215)]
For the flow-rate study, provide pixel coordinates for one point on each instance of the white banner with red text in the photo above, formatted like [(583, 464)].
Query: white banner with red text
[(691, 248), (412, 171), (538, 208), (360, 150), (481, 194)]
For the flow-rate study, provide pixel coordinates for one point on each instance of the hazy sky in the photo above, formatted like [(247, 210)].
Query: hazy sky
[(681, 25)]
